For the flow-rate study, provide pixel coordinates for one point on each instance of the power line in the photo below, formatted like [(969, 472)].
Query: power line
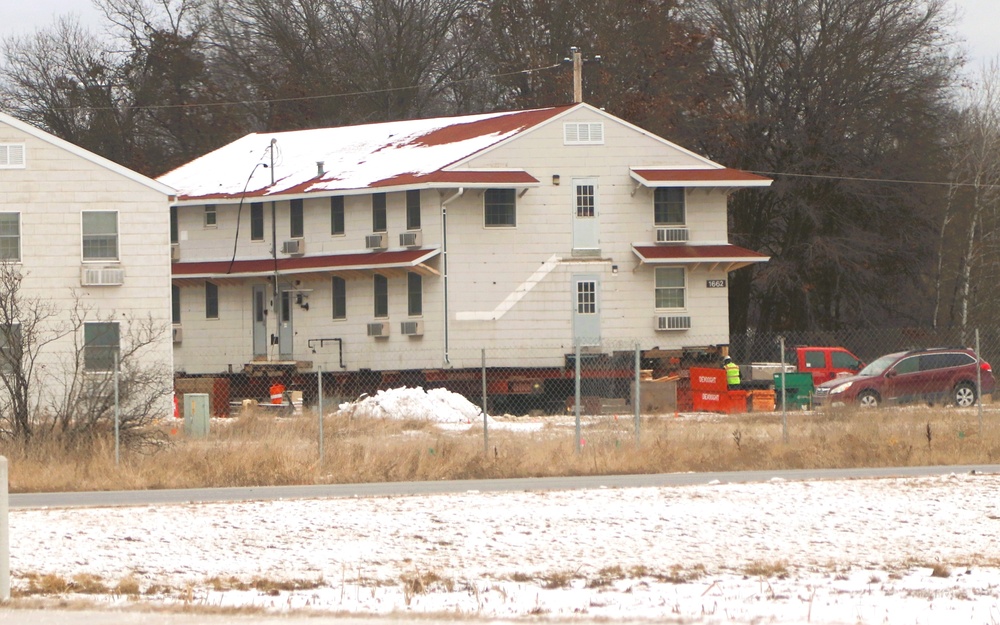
[(881, 180), (304, 98)]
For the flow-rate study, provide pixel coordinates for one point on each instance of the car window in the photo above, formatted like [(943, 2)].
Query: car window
[(907, 365), (879, 365), (930, 362), (842, 360), (815, 360)]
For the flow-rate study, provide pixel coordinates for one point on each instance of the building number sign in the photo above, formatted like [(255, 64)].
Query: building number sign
[(715, 284)]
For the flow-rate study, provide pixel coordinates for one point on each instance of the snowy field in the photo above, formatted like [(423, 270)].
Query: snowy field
[(909, 551)]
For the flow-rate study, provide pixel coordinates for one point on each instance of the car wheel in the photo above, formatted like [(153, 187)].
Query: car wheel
[(868, 399), (965, 395)]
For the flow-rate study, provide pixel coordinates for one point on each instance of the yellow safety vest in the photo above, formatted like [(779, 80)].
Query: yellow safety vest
[(732, 373)]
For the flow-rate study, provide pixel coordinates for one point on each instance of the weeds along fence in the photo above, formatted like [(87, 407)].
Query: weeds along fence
[(625, 377)]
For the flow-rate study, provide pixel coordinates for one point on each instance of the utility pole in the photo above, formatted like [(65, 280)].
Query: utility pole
[(577, 75)]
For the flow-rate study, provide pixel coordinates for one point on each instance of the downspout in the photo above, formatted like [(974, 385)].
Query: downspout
[(444, 264)]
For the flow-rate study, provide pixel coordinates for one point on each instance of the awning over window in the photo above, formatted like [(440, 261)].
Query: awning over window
[(728, 257), (721, 177), (386, 263)]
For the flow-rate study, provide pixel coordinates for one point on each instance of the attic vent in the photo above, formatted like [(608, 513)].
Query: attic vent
[(583, 133), (11, 156)]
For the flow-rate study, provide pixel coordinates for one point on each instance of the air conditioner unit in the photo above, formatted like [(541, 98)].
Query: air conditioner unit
[(102, 276), (410, 239), (378, 329), (377, 241), (671, 235), (294, 247), (411, 328), (178, 334), (175, 252), (667, 322)]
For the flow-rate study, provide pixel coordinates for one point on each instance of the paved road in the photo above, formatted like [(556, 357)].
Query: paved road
[(203, 495)]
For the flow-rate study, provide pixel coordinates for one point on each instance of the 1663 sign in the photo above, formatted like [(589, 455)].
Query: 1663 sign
[(715, 284)]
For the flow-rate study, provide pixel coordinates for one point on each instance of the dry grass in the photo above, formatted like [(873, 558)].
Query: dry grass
[(257, 450)]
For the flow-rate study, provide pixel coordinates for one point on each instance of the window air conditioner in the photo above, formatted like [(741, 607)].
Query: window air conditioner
[(378, 329), (377, 241), (411, 328), (410, 239), (671, 235), (294, 247), (102, 276), (175, 252), (178, 334), (665, 322)]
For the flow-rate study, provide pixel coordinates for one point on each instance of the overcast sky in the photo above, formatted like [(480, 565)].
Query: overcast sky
[(978, 25)]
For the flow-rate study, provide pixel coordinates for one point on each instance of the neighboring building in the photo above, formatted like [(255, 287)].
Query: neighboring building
[(90, 238), (415, 245)]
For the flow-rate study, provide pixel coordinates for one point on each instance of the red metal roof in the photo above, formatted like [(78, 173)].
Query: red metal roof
[(699, 177), (303, 264), (665, 254), (471, 177)]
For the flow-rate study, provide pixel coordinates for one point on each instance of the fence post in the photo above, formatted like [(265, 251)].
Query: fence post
[(784, 393), (4, 533), (979, 383), (486, 429), (319, 406), (637, 395), (117, 413), (576, 402)]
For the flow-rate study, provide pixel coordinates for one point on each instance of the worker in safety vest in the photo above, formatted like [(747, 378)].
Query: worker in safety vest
[(732, 373)]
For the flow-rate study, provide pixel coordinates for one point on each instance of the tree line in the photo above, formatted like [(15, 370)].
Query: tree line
[(884, 154)]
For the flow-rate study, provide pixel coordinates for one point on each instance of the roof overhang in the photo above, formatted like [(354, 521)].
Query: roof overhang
[(706, 177), (470, 179), (358, 264), (726, 256)]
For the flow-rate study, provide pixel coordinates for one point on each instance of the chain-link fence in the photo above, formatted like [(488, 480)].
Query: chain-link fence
[(632, 377)]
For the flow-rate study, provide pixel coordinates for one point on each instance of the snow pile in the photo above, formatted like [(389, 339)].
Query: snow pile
[(436, 405)]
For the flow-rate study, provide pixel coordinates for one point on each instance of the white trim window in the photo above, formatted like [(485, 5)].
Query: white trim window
[(12, 156), (211, 216), (100, 235), (669, 206), (670, 289), (339, 288), (500, 208), (101, 341), (10, 237), (414, 294)]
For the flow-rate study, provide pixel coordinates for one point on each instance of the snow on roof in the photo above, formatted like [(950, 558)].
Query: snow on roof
[(350, 157)]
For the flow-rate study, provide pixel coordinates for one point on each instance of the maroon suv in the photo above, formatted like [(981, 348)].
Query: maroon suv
[(938, 375)]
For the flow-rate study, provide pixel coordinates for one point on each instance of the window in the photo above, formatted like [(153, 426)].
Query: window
[(908, 365), (211, 218), (500, 208), (339, 298), (100, 345), (379, 223), (414, 294), (337, 214), (175, 304), (10, 346), (583, 133), (211, 301), (11, 156), (586, 297), (10, 236), (668, 206), (296, 227), (413, 210), (670, 287), (100, 235), (257, 221), (815, 360), (174, 227), (842, 360), (381, 284), (585, 202)]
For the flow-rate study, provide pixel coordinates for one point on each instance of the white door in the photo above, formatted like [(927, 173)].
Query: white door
[(586, 309), (586, 213)]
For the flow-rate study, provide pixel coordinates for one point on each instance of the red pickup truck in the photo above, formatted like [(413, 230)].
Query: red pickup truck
[(824, 363)]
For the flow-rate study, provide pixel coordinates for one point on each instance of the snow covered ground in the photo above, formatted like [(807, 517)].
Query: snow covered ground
[(917, 550)]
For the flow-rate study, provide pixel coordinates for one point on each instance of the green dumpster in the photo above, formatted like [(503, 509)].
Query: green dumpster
[(798, 390)]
